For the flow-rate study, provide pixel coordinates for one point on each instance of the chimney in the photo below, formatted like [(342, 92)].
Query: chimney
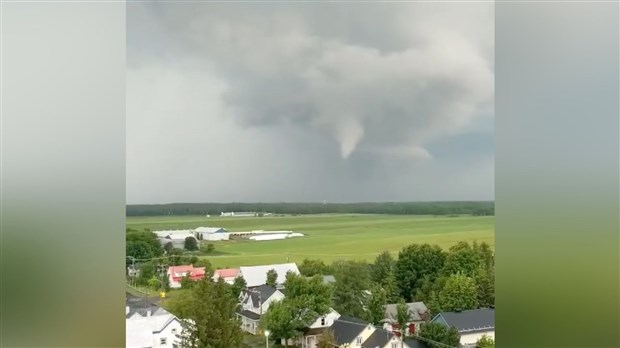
[(148, 313)]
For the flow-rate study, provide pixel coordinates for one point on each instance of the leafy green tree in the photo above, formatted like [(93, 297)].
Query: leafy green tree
[(462, 258), (147, 271), (306, 300), (459, 293), (485, 284), (150, 238), (139, 249), (352, 283), (415, 262), (190, 244), (280, 321), (186, 282), (434, 332), (272, 278), (326, 339), (375, 311), (238, 285), (485, 252), (311, 268), (485, 342), (383, 273), (403, 316), (210, 247), (211, 309), (168, 247)]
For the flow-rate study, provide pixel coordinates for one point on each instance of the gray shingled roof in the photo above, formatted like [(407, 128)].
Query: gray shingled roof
[(346, 329), (416, 309), (265, 291), (414, 343), (248, 314), (379, 338), (469, 321)]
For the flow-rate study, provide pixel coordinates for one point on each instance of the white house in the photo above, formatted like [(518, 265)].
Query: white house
[(311, 334), (155, 328), (471, 324), (418, 314), (255, 302), (257, 275)]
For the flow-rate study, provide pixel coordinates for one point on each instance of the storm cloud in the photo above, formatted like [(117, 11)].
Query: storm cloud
[(309, 101)]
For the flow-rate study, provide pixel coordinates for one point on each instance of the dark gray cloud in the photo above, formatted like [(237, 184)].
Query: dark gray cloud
[(309, 101)]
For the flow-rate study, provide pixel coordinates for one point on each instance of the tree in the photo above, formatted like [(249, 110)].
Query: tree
[(168, 247), (272, 278), (459, 293), (326, 339), (352, 284), (238, 285), (376, 305), (464, 259), (415, 262), (382, 273), (190, 244), (485, 253), (186, 281), (306, 300), (403, 316), (210, 247), (140, 250), (280, 320), (485, 342), (485, 285), (311, 268), (147, 271), (212, 321), (434, 332)]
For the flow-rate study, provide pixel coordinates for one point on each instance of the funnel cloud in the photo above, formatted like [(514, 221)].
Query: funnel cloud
[(309, 102)]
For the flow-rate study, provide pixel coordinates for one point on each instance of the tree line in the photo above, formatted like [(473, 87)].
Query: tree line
[(392, 208)]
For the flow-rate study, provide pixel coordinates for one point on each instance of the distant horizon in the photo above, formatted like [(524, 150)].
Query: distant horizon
[(320, 202)]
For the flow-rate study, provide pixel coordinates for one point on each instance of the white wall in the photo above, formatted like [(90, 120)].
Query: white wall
[(474, 337), (329, 320), (169, 334), (368, 330)]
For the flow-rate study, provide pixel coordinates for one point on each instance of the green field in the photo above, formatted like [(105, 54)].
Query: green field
[(328, 237)]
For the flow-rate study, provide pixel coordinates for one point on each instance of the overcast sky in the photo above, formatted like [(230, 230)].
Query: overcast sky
[(309, 102)]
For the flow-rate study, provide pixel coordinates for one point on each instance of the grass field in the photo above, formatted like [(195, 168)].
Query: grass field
[(328, 237)]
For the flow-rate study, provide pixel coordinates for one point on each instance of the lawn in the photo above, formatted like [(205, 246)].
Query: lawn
[(328, 237)]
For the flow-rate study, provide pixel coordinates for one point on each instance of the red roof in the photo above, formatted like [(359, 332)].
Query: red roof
[(195, 273), (227, 272)]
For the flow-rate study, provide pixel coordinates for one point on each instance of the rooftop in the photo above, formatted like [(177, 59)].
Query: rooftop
[(257, 275), (469, 321)]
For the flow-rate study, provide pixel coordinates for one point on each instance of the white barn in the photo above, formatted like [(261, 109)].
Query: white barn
[(257, 275)]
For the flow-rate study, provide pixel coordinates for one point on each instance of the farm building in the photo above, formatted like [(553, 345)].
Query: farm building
[(257, 275), (176, 237), (275, 236), (239, 214), (211, 233)]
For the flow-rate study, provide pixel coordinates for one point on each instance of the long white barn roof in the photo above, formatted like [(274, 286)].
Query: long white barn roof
[(257, 275)]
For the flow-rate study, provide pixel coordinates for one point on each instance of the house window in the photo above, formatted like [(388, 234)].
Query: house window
[(174, 330), (162, 341), (323, 321), (394, 344), (359, 341)]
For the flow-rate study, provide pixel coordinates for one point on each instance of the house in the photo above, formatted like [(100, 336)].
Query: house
[(418, 314), (228, 274), (176, 273), (154, 327), (255, 302), (352, 332), (471, 324), (257, 275), (211, 233)]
